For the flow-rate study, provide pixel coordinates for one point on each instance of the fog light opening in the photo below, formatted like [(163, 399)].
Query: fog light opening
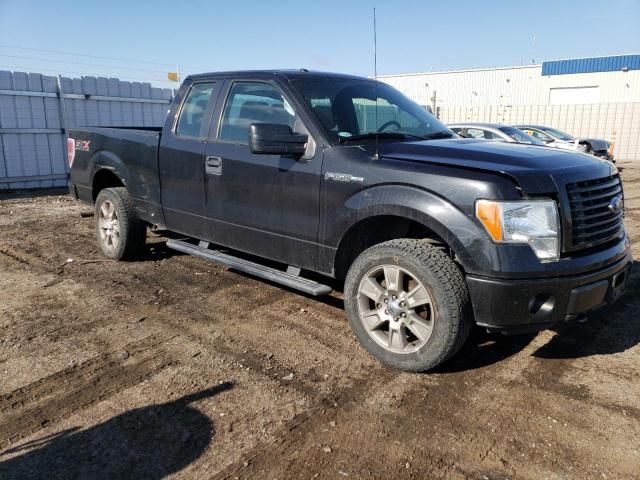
[(619, 280), (542, 305)]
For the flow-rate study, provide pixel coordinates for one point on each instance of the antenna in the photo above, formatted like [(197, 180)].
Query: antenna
[(533, 49), (375, 47), (375, 77)]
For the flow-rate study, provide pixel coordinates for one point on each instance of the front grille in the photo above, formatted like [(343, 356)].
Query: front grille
[(593, 221)]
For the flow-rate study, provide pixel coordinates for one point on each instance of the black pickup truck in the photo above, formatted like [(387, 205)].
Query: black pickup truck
[(296, 176)]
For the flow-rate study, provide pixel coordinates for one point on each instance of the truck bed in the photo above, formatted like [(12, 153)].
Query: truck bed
[(131, 152)]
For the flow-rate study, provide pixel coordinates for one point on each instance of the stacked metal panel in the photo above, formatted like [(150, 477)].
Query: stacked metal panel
[(34, 117)]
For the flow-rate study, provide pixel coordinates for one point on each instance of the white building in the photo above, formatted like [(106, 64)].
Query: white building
[(589, 80), (588, 97)]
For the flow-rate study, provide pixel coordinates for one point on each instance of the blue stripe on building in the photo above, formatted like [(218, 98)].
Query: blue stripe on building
[(591, 65)]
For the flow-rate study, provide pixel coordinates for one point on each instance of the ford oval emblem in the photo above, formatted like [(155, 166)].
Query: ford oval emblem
[(616, 203)]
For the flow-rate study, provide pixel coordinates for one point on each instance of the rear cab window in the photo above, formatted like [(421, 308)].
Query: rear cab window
[(192, 114)]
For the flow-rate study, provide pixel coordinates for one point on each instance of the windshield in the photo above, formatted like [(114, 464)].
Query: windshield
[(558, 134), (520, 136), (347, 110)]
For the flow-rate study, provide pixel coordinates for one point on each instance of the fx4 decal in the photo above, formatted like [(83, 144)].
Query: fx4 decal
[(83, 145)]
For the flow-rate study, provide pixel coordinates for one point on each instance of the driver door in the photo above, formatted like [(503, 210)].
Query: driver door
[(267, 205)]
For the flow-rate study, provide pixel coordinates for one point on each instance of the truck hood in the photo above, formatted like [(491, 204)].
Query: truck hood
[(536, 169)]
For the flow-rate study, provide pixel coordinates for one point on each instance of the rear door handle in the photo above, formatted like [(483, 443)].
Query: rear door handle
[(213, 165)]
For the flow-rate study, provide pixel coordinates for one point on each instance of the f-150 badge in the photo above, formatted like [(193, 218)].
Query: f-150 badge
[(342, 177)]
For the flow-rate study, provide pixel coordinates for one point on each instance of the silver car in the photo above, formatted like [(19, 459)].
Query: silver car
[(556, 138), (493, 131)]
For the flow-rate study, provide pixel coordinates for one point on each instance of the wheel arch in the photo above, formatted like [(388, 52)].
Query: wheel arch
[(104, 178), (406, 213), (376, 229)]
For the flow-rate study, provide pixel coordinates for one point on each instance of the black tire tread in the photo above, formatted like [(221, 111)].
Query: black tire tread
[(451, 279), (135, 230)]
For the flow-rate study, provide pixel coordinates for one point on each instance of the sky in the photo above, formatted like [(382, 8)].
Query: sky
[(142, 40)]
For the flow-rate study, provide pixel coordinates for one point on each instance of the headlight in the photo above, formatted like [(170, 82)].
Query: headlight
[(534, 222)]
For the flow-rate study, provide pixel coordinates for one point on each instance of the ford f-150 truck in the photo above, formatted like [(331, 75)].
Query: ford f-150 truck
[(296, 176)]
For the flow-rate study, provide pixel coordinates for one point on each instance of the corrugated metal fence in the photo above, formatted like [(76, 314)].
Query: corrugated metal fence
[(36, 110), (612, 121)]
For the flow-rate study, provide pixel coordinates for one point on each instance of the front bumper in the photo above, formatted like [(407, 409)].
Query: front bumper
[(514, 306)]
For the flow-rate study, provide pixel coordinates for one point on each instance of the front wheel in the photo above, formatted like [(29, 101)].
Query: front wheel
[(120, 232), (408, 304)]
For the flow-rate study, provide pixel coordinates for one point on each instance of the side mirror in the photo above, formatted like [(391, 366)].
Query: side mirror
[(276, 139)]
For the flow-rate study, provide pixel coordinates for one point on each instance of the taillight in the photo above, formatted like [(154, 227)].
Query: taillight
[(71, 151)]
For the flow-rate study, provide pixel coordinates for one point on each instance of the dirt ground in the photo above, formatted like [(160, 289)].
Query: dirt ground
[(172, 366)]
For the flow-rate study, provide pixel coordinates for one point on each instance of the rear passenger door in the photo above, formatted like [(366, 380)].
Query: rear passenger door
[(266, 205), (181, 159)]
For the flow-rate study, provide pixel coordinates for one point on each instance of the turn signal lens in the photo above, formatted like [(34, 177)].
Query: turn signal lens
[(488, 213), (71, 151)]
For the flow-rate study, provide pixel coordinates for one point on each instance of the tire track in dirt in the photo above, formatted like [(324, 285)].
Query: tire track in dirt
[(38, 405), (182, 316), (230, 343), (257, 462), (218, 344), (23, 257), (223, 283), (14, 254), (303, 424)]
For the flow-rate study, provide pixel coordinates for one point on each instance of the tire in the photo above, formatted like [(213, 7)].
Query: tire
[(120, 232), (412, 331)]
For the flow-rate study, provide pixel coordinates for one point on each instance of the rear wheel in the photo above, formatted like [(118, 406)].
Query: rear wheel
[(121, 234), (408, 304)]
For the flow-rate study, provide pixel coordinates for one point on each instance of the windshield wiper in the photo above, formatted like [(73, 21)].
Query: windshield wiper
[(437, 135), (382, 135)]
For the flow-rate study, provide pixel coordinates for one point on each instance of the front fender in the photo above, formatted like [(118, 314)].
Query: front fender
[(462, 234)]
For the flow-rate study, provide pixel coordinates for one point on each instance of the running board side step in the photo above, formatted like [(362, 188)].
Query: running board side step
[(288, 278)]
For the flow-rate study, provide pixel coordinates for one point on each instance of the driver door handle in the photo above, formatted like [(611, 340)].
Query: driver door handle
[(213, 165)]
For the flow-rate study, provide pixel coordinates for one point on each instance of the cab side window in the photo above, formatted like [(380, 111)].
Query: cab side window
[(538, 135), (482, 133), (475, 133), (371, 116), (253, 102), (489, 135), (192, 114)]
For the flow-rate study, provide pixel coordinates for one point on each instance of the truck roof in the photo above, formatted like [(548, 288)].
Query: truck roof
[(530, 125), (288, 74), (477, 124)]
